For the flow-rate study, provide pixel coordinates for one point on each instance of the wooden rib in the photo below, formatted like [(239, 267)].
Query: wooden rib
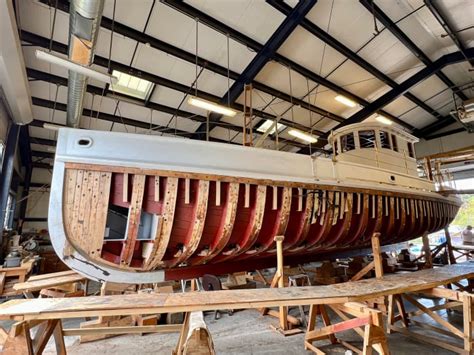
[(337, 207), (163, 233), (308, 216), (198, 226), (285, 210), (231, 210), (70, 198), (326, 219), (242, 180), (284, 217), (133, 221), (346, 223), (358, 230), (256, 222), (316, 208)]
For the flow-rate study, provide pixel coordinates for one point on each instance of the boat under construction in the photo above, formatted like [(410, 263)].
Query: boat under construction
[(141, 208)]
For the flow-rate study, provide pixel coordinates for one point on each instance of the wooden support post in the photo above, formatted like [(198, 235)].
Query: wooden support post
[(195, 337), (281, 283), (377, 255), (376, 264), (468, 319), (286, 322), (449, 246), (427, 251)]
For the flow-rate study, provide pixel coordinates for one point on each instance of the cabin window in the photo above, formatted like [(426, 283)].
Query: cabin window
[(347, 142), (411, 150), (367, 139), (384, 140), (394, 143)]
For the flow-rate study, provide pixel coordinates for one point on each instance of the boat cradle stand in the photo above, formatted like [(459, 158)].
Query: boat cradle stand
[(347, 298)]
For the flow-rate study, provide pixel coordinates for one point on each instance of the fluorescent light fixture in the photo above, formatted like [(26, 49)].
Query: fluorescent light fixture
[(210, 106), (51, 126), (303, 136), (344, 100), (78, 68), (131, 85), (384, 120), (269, 123)]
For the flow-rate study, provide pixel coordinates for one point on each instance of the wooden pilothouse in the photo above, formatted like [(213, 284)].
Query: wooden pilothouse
[(171, 208)]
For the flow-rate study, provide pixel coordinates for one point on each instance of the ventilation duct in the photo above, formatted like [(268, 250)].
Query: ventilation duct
[(84, 24)]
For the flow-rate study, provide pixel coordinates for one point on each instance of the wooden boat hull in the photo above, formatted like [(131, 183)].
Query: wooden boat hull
[(206, 222)]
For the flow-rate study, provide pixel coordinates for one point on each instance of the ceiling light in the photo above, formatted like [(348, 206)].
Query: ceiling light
[(384, 120), (269, 123), (78, 68), (131, 85), (303, 136), (344, 100), (51, 126), (210, 106)]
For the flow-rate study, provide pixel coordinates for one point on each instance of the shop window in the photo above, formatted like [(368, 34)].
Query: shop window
[(367, 139)]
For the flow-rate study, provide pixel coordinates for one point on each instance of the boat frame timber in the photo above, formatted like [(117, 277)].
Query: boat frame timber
[(78, 213)]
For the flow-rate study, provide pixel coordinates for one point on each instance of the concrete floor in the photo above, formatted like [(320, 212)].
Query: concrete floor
[(245, 332)]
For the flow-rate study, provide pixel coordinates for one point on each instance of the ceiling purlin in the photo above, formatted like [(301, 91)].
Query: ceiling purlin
[(155, 43), (408, 43), (249, 42), (354, 57), (47, 77)]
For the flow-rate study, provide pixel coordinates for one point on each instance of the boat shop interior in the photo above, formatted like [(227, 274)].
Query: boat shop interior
[(237, 176)]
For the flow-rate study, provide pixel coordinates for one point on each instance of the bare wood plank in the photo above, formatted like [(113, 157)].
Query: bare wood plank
[(218, 193), (163, 232), (275, 198), (234, 299), (187, 191), (133, 221), (198, 225), (157, 189), (247, 196), (125, 188)]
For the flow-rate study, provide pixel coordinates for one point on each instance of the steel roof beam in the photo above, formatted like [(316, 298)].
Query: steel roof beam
[(388, 97), (341, 48), (407, 42), (254, 45), (262, 57), (39, 75), (433, 6), (181, 54), (101, 61), (418, 77)]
